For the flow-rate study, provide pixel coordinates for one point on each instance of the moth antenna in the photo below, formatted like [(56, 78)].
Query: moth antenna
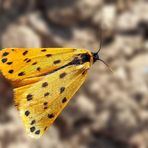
[(96, 55), (106, 65), (100, 41)]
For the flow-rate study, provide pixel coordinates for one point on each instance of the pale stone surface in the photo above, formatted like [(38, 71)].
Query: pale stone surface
[(111, 109), (20, 36)]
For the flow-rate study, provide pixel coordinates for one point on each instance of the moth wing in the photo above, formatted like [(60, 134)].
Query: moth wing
[(40, 103), (21, 63)]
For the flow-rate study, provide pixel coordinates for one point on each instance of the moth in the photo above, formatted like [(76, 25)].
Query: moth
[(44, 81)]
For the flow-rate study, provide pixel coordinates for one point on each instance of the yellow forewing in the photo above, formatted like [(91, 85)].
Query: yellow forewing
[(47, 101), (20, 63)]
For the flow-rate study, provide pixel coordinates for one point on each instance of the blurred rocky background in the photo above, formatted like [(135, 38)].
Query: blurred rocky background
[(111, 109)]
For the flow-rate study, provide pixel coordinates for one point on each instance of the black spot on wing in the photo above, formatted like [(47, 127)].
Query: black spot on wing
[(38, 69), (45, 84), (45, 128), (34, 63), (29, 97), (46, 94), (4, 60), (37, 132), (43, 50), (45, 107), (48, 55), (62, 75), (64, 100), (11, 71), (28, 60), (27, 113), (57, 61), (33, 122), (32, 129), (45, 103), (50, 116), (25, 52), (5, 53), (9, 63), (21, 73), (62, 89)]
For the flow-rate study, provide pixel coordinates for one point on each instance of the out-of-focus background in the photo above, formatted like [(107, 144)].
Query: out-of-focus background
[(111, 109)]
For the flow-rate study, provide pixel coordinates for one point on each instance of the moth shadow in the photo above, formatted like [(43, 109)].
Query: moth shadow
[(6, 99)]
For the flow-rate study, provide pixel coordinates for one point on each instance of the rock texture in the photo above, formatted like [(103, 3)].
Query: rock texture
[(111, 109)]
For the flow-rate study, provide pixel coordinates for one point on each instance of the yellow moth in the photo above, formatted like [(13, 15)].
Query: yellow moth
[(44, 80)]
